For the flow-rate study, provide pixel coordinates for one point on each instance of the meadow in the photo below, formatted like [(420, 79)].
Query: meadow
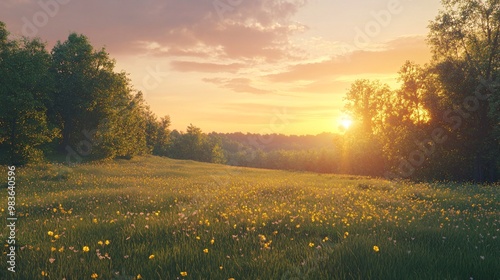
[(157, 218)]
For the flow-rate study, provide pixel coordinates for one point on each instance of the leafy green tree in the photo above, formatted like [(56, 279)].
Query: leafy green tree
[(24, 95), (91, 96), (465, 39)]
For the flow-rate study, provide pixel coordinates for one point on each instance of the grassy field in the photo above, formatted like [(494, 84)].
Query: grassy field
[(156, 218)]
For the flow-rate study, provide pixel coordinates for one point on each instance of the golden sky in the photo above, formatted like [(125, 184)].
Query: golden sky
[(262, 66)]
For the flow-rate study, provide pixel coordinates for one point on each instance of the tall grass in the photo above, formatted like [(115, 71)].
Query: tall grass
[(166, 219)]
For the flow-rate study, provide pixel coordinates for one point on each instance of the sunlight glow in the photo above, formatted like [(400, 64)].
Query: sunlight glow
[(345, 122)]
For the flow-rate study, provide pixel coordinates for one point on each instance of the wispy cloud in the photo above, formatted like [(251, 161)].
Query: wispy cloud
[(237, 85)]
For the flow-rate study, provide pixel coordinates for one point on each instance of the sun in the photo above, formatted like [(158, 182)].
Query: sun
[(345, 122)]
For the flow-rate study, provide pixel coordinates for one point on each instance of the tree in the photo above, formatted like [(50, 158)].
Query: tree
[(365, 102), (465, 40), (91, 96), (24, 95)]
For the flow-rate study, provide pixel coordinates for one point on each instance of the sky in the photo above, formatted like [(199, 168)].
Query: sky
[(259, 66)]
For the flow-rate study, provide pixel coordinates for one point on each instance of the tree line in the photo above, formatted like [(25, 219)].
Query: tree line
[(72, 102), (444, 120)]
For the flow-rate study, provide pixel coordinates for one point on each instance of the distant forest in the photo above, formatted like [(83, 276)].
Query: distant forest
[(443, 123)]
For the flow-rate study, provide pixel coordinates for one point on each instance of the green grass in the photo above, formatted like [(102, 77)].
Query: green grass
[(256, 224)]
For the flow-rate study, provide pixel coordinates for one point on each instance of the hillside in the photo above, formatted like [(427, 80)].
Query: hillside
[(157, 218)]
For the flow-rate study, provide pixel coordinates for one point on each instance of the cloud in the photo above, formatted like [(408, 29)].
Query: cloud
[(257, 29), (190, 66), (237, 85), (384, 61)]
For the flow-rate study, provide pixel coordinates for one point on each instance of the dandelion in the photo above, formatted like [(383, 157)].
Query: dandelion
[(151, 257), (376, 248), (184, 273), (311, 244), (86, 248), (56, 236), (212, 241), (94, 220), (50, 233), (61, 249), (205, 251), (100, 242), (107, 242), (94, 276), (53, 249)]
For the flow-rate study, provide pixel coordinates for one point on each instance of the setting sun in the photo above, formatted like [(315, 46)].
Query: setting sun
[(345, 122)]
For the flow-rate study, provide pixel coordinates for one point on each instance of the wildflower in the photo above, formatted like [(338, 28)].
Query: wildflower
[(45, 273), (86, 248), (94, 276), (107, 242), (212, 241), (52, 260), (100, 242), (61, 249), (52, 249), (184, 273), (205, 251), (346, 234), (138, 277), (94, 220), (375, 248), (151, 257), (56, 236), (311, 244), (50, 233), (221, 267)]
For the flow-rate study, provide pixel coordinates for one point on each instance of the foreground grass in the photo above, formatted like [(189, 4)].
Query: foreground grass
[(155, 218)]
